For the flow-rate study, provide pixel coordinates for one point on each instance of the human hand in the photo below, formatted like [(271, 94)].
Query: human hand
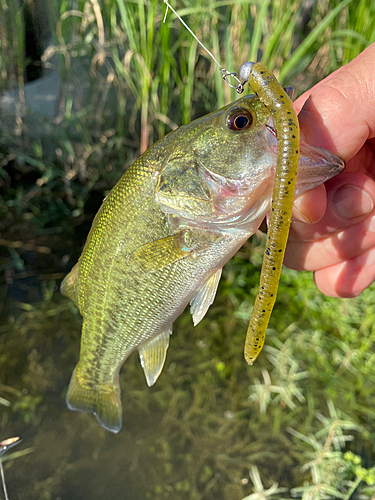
[(333, 228)]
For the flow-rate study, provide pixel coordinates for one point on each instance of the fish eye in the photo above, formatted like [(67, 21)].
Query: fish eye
[(239, 119)]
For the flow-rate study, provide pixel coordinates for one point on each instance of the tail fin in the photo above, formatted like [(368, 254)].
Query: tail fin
[(102, 400)]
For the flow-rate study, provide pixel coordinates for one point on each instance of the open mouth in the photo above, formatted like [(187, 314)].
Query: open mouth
[(271, 129), (271, 135)]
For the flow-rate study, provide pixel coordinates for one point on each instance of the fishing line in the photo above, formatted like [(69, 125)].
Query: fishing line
[(240, 87)]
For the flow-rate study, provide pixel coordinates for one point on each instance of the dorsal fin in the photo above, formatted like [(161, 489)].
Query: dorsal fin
[(153, 356), (69, 285), (204, 297)]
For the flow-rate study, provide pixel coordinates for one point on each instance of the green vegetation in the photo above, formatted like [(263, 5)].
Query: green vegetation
[(300, 422), (128, 78)]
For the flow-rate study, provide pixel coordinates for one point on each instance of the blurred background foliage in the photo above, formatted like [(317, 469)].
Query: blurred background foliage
[(300, 422)]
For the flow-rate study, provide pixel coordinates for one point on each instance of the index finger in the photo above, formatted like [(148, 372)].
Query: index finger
[(338, 114)]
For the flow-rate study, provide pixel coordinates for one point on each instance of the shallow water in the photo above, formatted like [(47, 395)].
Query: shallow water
[(160, 448), (163, 450), (195, 434)]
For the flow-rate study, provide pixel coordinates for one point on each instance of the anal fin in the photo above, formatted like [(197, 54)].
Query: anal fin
[(204, 297), (153, 356)]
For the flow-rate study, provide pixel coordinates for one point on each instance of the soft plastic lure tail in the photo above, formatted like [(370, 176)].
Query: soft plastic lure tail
[(269, 91)]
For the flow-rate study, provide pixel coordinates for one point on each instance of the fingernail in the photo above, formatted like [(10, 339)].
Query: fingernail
[(351, 202), (300, 216)]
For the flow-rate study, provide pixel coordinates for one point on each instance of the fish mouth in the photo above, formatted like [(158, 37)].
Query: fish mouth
[(316, 165)]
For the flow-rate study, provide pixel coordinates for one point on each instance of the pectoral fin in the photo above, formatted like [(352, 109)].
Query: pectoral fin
[(153, 356), (204, 297), (160, 253)]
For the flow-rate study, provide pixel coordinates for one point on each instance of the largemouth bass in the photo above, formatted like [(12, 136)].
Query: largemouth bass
[(162, 236)]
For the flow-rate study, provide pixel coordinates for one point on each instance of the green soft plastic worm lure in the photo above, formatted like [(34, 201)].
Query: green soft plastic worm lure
[(264, 84)]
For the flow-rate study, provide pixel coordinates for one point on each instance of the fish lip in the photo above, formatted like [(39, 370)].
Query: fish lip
[(316, 165), (271, 129)]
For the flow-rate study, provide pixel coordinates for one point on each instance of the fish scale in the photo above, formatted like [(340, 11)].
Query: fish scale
[(161, 238)]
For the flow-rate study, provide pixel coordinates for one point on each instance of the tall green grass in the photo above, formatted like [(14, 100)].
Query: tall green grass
[(12, 40), (128, 78)]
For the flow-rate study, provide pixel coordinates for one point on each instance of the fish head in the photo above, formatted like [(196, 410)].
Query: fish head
[(221, 171)]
